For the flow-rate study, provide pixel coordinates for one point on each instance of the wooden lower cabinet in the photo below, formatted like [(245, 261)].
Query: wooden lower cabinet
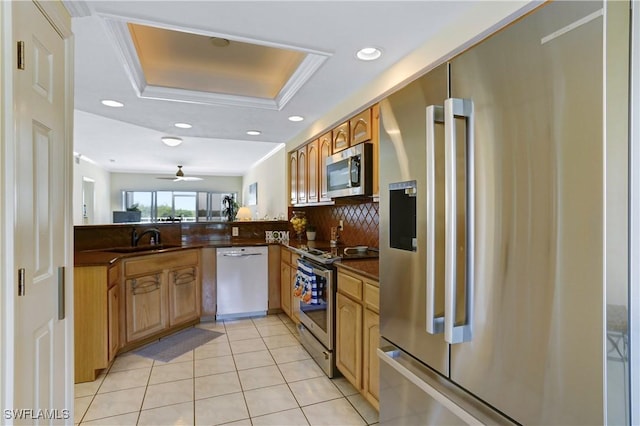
[(370, 362), (285, 288), (118, 307), (184, 292), (349, 339), (91, 323), (113, 319), (146, 306), (358, 333), (161, 291), (288, 270)]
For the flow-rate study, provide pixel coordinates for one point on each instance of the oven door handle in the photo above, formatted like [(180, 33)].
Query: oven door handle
[(323, 272), (326, 273)]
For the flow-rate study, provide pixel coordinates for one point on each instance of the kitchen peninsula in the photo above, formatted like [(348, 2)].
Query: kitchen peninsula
[(127, 295)]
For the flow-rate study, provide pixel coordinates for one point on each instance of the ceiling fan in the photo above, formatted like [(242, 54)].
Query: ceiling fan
[(181, 177)]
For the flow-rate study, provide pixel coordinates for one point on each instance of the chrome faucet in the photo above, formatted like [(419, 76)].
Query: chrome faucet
[(135, 238)]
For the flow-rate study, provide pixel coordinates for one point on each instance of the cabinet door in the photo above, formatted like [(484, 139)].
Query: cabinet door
[(370, 363), (285, 288), (360, 128), (146, 306), (340, 137), (184, 292), (349, 339), (295, 301), (293, 177), (302, 175), (324, 152), (113, 310), (312, 171)]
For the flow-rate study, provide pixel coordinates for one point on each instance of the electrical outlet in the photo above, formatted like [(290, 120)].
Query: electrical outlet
[(234, 231), (341, 225)]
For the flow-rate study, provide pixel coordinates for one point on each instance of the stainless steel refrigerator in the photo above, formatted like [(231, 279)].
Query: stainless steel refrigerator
[(494, 232)]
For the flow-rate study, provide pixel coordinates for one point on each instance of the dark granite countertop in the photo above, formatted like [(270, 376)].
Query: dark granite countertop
[(366, 267), (105, 257)]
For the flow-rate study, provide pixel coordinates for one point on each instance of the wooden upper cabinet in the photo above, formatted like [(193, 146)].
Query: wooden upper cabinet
[(307, 164), (360, 127), (302, 175), (312, 171), (293, 177), (324, 152), (340, 137)]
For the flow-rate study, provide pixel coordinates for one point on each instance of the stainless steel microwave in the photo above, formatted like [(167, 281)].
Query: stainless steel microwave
[(350, 172)]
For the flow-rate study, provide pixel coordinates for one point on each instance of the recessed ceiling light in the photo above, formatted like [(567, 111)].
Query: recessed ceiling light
[(296, 118), (112, 103), (253, 132), (369, 53), (171, 141), (183, 125)]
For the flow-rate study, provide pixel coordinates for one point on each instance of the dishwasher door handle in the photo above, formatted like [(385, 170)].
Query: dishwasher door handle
[(241, 254)]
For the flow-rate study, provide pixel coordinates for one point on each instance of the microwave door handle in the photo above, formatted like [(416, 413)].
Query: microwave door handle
[(461, 108), (435, 324), (349, 165)]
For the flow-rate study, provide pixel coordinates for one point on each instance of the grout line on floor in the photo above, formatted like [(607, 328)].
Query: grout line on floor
[(237, 375)]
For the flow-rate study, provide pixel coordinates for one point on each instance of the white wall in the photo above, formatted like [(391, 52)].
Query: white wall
[(270, 175), (149, 182), (102, 204), (483, 19)]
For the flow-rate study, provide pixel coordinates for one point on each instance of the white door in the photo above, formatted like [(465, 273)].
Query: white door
[(40, 375)]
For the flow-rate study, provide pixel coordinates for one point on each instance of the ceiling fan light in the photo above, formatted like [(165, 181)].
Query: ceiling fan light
[(171, 141)]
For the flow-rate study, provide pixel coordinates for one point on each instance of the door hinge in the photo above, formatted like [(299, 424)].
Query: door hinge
[(61, 293), (21, 282), (21, 55)]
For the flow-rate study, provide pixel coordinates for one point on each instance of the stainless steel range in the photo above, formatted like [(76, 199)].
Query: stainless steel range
[(316, 287)]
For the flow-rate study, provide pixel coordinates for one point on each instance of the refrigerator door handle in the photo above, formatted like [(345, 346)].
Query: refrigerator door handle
[(435, 324), (421, 376), (458, 108)]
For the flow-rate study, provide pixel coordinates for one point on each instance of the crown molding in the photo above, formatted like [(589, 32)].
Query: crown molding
[(77, 8)]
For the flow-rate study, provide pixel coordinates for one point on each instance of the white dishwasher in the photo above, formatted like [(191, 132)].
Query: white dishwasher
[(242, 284)]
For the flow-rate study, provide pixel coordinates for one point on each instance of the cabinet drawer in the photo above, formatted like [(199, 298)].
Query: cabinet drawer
[(350, 285), (371, 296), (294, 260), (159, 262)]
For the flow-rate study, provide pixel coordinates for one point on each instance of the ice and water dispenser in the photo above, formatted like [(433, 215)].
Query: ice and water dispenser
[(402, 215)]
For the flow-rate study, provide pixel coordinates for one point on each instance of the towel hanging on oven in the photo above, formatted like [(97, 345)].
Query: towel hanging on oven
[(308, 287)]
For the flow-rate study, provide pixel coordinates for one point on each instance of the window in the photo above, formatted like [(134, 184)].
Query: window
[(186, 206)]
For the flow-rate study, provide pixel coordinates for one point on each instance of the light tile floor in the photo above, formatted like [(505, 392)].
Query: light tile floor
[(255, 374)]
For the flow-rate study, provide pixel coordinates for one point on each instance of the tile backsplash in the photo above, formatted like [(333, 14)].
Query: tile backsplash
[(360, 222)]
